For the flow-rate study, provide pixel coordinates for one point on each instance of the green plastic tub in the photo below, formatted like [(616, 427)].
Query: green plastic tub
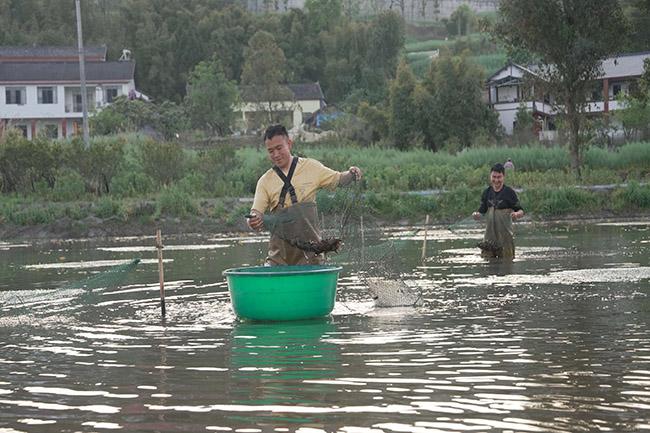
[(282, 292)]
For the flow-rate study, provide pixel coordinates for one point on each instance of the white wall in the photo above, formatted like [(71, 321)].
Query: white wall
[(507, 94), (33, 110)]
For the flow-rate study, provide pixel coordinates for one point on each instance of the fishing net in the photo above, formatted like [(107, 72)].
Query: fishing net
[(299, 226), (465, 224), (112, 277), (499, 238), (347, 233), (109, 278)]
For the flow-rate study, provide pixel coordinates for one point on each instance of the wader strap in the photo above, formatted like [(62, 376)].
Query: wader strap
[(287, 183)]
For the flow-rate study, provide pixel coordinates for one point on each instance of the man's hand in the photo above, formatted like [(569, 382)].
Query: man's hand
[(516, 215), (256, 221), (476, 216), (356, 172)]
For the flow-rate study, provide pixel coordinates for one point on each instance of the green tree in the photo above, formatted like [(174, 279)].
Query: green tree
[(571, 38), (462, 21), (403, 119), (323, 14), (635, 114), (227, 32), (524, 123), (302, 46), (211, 97), (263, 74), (638, 13), (385, 42), (345, 49), (376, 120), (454, 111)]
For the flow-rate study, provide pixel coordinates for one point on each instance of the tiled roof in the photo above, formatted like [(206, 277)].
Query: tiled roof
[(301, 92), (51, 52), (309, 91), (621, 66), (625, 65), (51, 72)]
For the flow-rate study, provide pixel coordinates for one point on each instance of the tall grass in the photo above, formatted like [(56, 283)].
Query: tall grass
[(430, 45), (630, 155), (221, 174), (490, 62)]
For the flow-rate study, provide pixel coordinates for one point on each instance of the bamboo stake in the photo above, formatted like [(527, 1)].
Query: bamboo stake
[(161, 273), (363, 241), (424, 241)]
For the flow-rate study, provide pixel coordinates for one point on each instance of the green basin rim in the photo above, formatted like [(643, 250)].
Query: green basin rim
[(271, 271)]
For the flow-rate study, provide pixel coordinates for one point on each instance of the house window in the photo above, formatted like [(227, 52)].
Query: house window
[(616, 89), (46, 95), (51, 131), (110, 93), (15, 96), (77, 105)]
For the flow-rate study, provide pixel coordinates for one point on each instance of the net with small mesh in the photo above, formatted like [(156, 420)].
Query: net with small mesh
[(109, 278), (112, 277), (348, 233)]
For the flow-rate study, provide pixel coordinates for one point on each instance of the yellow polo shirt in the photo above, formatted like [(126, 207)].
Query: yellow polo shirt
[(309, 177)]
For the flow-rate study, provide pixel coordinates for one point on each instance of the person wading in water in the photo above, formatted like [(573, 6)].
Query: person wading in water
[(292, 182), (500, 206)]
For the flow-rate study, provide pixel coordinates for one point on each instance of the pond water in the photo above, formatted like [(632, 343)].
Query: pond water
[(556, 341)]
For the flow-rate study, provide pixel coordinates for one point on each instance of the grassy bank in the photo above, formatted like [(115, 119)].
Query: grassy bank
[(135, 182)]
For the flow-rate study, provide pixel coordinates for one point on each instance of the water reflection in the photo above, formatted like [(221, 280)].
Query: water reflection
[(271, 361), (555, 341)]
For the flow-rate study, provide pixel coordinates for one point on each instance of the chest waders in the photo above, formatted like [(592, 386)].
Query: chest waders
[(498, 240), (297, 223)]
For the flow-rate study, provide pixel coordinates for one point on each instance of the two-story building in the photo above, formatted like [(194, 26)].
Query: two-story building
[(511, 87), (40, 87)]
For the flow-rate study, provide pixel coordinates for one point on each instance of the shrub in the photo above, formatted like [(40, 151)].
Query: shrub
[(174, 201), (634, 195), (215, 165), (69, 186), (98, 164), (24, 162), (560, 201), (33, 215), (107, 207), (162, 161), (131, 183)]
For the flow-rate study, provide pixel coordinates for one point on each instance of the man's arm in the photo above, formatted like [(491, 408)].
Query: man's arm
[(256, 221), (483, 207), (260, 201), (352, 175), (517, 211)]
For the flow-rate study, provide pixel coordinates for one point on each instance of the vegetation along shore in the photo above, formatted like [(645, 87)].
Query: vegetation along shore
[(130, 184)]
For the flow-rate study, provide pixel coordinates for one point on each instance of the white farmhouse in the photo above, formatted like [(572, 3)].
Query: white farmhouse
[(509, 88), (300, 102), (40, 87)]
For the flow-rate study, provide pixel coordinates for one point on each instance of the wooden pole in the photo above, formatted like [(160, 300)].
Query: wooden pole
[(363, 241), (161, 274), (424, 241)]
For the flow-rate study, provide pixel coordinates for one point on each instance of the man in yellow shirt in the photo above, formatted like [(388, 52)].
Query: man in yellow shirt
[(291, 181)]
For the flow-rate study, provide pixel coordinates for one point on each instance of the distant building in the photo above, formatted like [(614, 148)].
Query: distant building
[(40, 87), (509, 88), (301, 102), (412, 10)]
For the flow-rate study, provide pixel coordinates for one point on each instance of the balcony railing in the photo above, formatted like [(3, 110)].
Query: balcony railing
[(76, 107)]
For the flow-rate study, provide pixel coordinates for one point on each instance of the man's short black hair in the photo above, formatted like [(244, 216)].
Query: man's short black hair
[(274, 130), (498, 167)]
